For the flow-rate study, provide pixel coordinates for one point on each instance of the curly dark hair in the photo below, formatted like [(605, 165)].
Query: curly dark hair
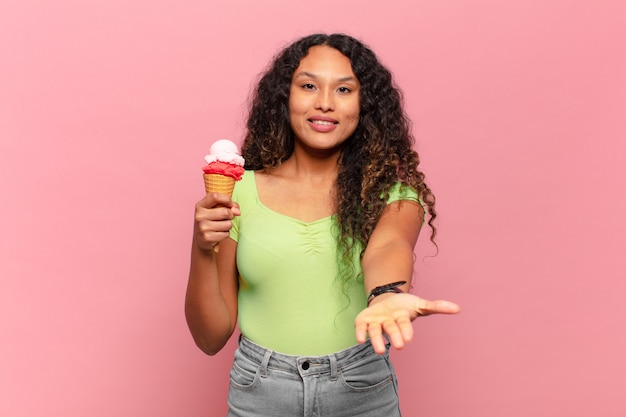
[(376, 156)]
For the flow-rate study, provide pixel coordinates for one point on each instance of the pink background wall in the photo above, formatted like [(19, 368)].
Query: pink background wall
[(107, 108)]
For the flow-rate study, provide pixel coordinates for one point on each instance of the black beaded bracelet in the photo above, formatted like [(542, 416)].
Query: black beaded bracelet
[(393, 287)]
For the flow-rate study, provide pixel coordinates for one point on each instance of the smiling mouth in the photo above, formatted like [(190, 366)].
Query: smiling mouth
[(323, 122)]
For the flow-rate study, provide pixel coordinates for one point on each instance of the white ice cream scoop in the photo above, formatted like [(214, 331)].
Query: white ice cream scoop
[(224, 150)]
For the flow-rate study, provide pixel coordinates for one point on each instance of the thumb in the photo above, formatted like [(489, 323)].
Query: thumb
[(426, 307)]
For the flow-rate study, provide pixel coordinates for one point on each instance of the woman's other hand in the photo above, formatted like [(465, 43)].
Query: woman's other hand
[(213, 217), (391, 314)]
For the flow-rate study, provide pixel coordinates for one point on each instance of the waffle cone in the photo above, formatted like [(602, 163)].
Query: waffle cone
[(217, 183)]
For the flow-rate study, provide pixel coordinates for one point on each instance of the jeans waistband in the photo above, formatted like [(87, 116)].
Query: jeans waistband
[(306, 365)]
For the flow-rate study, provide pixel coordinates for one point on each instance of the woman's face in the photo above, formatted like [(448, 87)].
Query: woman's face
[(323, 100)]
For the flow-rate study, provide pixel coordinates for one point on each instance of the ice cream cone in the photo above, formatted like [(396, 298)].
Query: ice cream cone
[(225, 166), (217, 183)]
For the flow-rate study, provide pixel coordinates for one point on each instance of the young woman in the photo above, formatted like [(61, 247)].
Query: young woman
[(316, 245)]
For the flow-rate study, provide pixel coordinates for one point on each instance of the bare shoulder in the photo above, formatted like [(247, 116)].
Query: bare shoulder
[(271, 186), (403, 210)]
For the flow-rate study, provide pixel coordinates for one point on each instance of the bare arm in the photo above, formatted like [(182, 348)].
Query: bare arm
[(389, 253), (211, 299), (389, 258)]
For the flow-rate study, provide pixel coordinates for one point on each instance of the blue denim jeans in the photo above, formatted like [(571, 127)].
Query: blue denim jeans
[(353, 382)]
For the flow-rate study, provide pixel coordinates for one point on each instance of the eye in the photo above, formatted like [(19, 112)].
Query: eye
[(308, 86), (344, 90)]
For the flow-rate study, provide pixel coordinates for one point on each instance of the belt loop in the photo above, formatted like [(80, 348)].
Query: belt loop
[(333, 367), (265, 362)]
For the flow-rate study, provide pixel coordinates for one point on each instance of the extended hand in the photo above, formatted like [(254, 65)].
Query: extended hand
[(392, 314)]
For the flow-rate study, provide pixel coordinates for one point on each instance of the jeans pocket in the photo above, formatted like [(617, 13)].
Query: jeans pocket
[(244, 372), (370, 374)]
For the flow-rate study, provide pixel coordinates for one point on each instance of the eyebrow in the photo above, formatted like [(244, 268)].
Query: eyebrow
[(310, 75)]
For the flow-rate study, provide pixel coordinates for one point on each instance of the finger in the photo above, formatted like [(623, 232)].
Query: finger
[(425, 307), (211, 231), (217, 213), (217, 225), (361, 332), (214, 236), (406, 329), (376, 338), (394, 334), (216, 199), (235, 209), (211, 238)]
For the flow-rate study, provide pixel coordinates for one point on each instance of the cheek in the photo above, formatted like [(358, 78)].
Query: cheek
[(355, 115), (293, 111), (295, 106), (295, 119), (356, 110)]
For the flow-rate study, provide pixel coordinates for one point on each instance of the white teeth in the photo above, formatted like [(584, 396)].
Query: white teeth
[(322, 122)]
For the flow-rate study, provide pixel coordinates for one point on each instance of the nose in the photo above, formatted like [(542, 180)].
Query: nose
[(325, 100)]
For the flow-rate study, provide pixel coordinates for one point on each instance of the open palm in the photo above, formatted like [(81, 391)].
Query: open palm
[(392, 314)]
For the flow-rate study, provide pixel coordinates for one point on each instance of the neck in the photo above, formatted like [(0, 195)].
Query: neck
[(314, 168)]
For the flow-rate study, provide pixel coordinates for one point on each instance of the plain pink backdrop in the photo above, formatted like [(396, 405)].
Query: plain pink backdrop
[(107, 108)]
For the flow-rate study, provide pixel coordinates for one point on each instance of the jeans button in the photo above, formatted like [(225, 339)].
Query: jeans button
[(305, 365)]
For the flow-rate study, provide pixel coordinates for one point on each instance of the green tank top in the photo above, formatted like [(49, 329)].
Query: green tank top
[(290, 297)]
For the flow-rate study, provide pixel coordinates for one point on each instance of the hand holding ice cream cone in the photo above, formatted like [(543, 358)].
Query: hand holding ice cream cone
[(224, 167)]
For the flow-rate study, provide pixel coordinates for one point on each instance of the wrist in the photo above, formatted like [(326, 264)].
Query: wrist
[(393, 287), (204, 249), (380, 298)]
